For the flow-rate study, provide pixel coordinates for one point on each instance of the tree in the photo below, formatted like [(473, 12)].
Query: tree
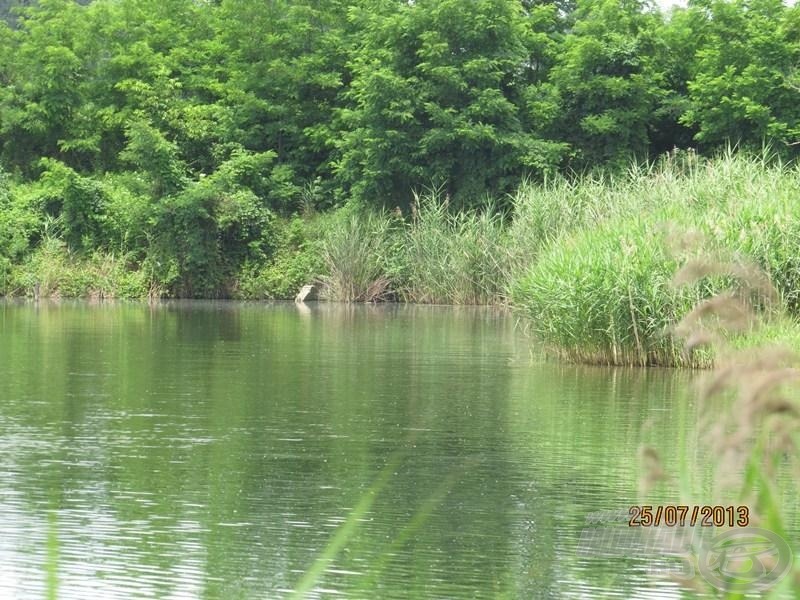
[(743, 87), (285, 62), (607, 80), (677, 44), (77, 76), (436, 100), (41, 69)]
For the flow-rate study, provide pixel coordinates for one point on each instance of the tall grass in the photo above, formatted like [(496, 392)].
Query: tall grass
[(435, 256), (605, 296), (53, 271), (454, 258), (356, 252), (544, 213), (597, 289)]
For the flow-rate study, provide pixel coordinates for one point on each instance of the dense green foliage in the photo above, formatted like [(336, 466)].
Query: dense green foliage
[(179, 141), (591, 262), (603, 290)]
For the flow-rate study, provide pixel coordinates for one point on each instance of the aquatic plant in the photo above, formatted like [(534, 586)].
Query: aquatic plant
[(601, 293), (454, 257), (355, 252), (604, 296)]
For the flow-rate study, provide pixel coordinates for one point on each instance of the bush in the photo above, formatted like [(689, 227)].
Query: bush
[(296, 261), (129, 214), (151, 153), (203, 236), (20, 223)]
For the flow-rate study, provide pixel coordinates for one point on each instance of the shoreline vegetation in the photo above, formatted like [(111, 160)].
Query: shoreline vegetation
[(547, 156), (593, 165), (588, 262)]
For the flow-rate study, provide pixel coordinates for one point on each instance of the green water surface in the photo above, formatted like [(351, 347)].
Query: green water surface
[(221, 450)]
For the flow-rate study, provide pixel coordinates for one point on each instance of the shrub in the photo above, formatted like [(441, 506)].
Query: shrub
[(151, 153), (203, 236), (20, 223), (296, 261), (129, 214)]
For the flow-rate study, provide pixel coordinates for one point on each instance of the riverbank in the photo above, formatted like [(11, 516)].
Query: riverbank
[(589, 262)]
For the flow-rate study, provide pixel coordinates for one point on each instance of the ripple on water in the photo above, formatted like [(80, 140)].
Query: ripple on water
[(235, 451)]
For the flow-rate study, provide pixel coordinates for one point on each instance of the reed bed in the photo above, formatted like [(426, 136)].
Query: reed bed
[(587, 260), (604, 296), (454, 258), (356, 252), (435, 256), (600, 292)]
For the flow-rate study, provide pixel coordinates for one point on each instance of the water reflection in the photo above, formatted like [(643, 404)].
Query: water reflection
[(222, 450)]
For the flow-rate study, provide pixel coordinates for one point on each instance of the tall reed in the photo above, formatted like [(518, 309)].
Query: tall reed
[(604, 296), (357, 251), (454, 258), (597, 288)]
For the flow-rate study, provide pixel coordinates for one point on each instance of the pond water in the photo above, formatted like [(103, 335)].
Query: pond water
[(222, 450)]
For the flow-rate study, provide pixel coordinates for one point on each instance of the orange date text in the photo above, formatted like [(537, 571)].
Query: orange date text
[(681, 515)]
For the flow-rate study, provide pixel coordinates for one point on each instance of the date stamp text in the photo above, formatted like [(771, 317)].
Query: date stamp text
[(682, 515)]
